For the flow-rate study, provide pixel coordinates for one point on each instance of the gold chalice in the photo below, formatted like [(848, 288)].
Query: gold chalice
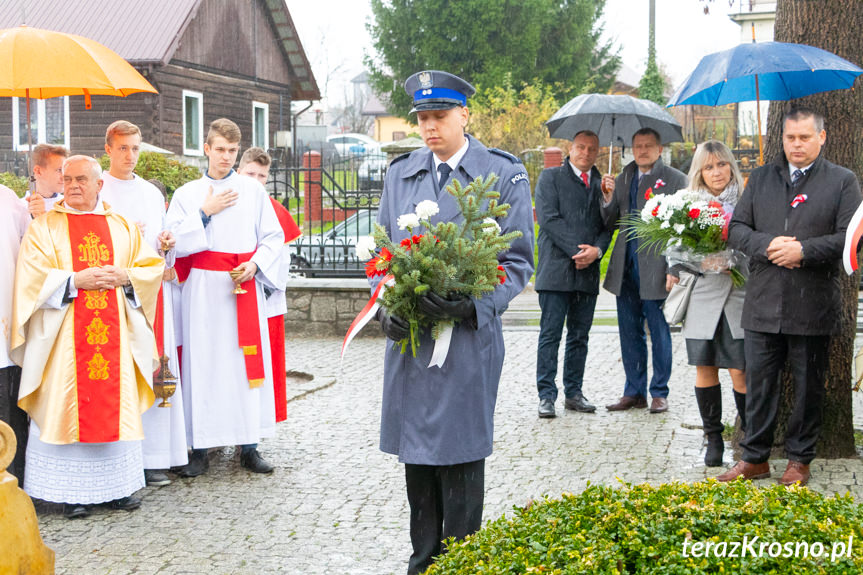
[(164, 382), (235, 273)]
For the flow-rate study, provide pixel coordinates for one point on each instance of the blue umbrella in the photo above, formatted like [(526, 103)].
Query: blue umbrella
[(764, 71)]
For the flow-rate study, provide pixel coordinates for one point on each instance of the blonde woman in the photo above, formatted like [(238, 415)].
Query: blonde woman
[(714, 336)]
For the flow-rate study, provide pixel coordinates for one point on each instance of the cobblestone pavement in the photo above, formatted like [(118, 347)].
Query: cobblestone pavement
[(336, 504)]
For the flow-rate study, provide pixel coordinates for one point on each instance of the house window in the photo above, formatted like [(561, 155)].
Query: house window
[(260, 125), (193, 123), (49, 121)]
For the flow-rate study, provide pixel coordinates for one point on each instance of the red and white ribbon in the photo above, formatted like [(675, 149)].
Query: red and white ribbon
[(798, 199), (367, 313), (852, 239)]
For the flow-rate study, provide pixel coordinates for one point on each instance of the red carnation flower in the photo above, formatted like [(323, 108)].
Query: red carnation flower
[(416, 239), (655, 211), (405, 243), (648, 194), (694, 213)]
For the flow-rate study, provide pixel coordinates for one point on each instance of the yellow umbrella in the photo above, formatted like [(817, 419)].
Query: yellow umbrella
[(36, 63)]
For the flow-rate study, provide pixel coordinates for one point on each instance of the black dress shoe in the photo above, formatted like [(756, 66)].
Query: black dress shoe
[(198, 464), (129, 503), (579, 403), (156, 478), (546, 409), (75, 511), (252, 460)]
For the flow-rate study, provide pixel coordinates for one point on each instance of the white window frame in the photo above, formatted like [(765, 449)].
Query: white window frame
[(266, 108), (41, 126), (199, 151)]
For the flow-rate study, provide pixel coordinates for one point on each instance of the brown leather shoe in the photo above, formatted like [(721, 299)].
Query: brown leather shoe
[(627, 402), (658, 405), (745, 470), (796, 472)]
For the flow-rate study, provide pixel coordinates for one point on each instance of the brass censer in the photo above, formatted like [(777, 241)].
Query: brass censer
[(164, 382)]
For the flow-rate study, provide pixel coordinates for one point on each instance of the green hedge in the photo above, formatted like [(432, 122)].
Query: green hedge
[(17, 184), (172, 173), (643, 529)]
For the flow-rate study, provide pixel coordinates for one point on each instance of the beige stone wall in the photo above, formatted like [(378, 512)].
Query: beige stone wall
[(326, 307)]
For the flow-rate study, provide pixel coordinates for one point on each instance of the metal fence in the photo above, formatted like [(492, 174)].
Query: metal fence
[(334, 199)]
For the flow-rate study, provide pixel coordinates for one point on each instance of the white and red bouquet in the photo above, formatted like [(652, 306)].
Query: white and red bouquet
[(689, 229)]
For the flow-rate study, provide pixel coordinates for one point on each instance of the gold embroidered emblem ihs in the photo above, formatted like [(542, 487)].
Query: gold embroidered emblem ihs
[(95, 299), (93, 251)]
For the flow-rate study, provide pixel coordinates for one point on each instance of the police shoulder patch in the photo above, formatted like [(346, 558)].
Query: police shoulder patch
[(506, 155), (518, 177)]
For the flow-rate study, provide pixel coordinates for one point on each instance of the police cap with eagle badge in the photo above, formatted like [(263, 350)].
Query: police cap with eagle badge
[(436, 90)]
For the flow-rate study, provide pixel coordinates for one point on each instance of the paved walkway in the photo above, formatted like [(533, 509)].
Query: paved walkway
[(336, 504)]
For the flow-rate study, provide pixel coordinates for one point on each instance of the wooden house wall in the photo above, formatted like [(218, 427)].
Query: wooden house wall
[(222, 98), (234, 37)]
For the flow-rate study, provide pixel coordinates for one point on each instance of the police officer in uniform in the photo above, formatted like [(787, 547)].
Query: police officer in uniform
[(439, 420)]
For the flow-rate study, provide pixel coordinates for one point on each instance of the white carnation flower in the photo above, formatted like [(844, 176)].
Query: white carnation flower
[(665, 225), (490, 222), (408, 221), (678, 228), (364, 247), (426, 209)]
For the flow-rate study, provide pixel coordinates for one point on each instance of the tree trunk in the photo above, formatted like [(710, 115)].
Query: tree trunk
[(833, 25)]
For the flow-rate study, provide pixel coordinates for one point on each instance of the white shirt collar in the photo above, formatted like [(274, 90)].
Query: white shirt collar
[(454, 159), (97, 210), (578, 172)]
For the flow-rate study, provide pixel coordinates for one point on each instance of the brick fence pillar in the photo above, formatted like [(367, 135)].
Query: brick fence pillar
[(552, 157)]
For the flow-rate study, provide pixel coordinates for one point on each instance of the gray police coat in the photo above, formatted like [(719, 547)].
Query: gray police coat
[(444, 416)]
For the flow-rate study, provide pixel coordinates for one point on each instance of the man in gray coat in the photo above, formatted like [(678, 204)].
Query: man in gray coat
[(791, 222), (638, 278), (572, 238), (439, 420)]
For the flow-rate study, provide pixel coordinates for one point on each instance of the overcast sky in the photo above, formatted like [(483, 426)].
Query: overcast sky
[(334, 35)]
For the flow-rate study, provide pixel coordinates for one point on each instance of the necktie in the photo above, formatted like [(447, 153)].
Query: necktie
[(585, 180), (796, 176), (444, 170)]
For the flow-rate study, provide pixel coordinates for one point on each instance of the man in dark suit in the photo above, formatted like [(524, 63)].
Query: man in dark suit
[(638, 279), (791, 222), (572, 238)]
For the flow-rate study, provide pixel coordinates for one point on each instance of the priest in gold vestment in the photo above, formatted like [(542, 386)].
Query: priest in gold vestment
[(85, 297)]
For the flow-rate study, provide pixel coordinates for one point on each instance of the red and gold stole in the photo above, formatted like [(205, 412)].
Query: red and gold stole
[(97, 334)]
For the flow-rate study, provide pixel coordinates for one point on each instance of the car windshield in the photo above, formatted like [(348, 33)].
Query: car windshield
[(361, 224)]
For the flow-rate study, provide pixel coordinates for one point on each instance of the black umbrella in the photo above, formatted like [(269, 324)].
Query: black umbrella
[(613, 118)]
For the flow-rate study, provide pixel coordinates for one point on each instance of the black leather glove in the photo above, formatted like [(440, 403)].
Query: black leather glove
[(455, 307), (393, 326)]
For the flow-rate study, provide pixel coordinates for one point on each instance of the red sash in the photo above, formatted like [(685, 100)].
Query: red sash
[(248, 328), (159, 323), (276, 328), (97, 334)]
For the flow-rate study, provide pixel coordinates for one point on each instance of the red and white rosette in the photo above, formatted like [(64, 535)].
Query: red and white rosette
[(852, 239), (367, 313)]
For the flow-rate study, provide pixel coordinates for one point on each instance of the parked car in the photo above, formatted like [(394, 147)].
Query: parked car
[(335, 249), (371, 171), (353, 144)]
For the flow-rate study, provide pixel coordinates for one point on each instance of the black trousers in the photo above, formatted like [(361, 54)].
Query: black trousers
[(446, 501), (766, 354), (10, 380)]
